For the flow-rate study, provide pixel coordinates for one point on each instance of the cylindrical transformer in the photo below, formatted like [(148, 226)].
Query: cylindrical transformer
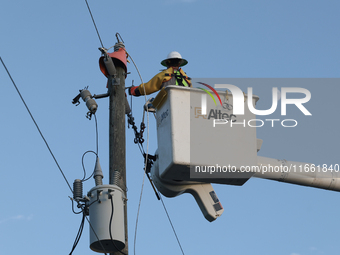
[(107, 232)]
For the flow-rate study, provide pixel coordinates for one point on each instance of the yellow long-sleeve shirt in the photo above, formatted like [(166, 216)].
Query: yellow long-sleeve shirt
[(159, 80)]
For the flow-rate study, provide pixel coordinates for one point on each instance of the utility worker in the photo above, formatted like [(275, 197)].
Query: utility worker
[(173, 75)]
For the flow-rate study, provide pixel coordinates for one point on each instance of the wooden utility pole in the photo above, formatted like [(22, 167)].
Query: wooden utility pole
[(117, 145)]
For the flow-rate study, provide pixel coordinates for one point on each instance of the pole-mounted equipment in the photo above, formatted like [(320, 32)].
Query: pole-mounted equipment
[(106, 203)]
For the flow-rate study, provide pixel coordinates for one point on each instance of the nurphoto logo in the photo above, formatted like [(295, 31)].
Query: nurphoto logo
[(239, 102)]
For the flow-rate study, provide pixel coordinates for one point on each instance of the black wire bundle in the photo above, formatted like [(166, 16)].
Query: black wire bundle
[(80, 231), (110, 226)]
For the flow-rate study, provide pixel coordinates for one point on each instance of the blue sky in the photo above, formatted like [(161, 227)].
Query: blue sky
[(51, 50)]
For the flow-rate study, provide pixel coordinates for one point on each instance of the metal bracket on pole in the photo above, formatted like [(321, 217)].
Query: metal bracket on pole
[(115, 81)]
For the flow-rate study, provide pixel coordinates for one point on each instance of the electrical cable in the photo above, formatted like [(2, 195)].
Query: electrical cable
[(82, 162), (172, 226), (96, 235), (146, 158), (82, 206), (61, 171), (42, 136), (110, 226), (97, 140), (73, 207), (94, 23), (80, 231), (142, 188), (137, 217), (96, 153)]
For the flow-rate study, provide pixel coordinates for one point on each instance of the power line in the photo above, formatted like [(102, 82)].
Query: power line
[(172, 226), (137, 217), (42, 136), (94, 23), (48, 147)]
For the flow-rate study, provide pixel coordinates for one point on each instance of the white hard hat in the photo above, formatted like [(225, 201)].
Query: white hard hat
[(174, 55)]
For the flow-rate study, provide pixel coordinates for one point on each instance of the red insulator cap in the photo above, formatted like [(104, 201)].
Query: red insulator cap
[(118, 58)]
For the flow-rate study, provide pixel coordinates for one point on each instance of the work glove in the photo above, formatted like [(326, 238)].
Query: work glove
[(134, 91), (149, 107)]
